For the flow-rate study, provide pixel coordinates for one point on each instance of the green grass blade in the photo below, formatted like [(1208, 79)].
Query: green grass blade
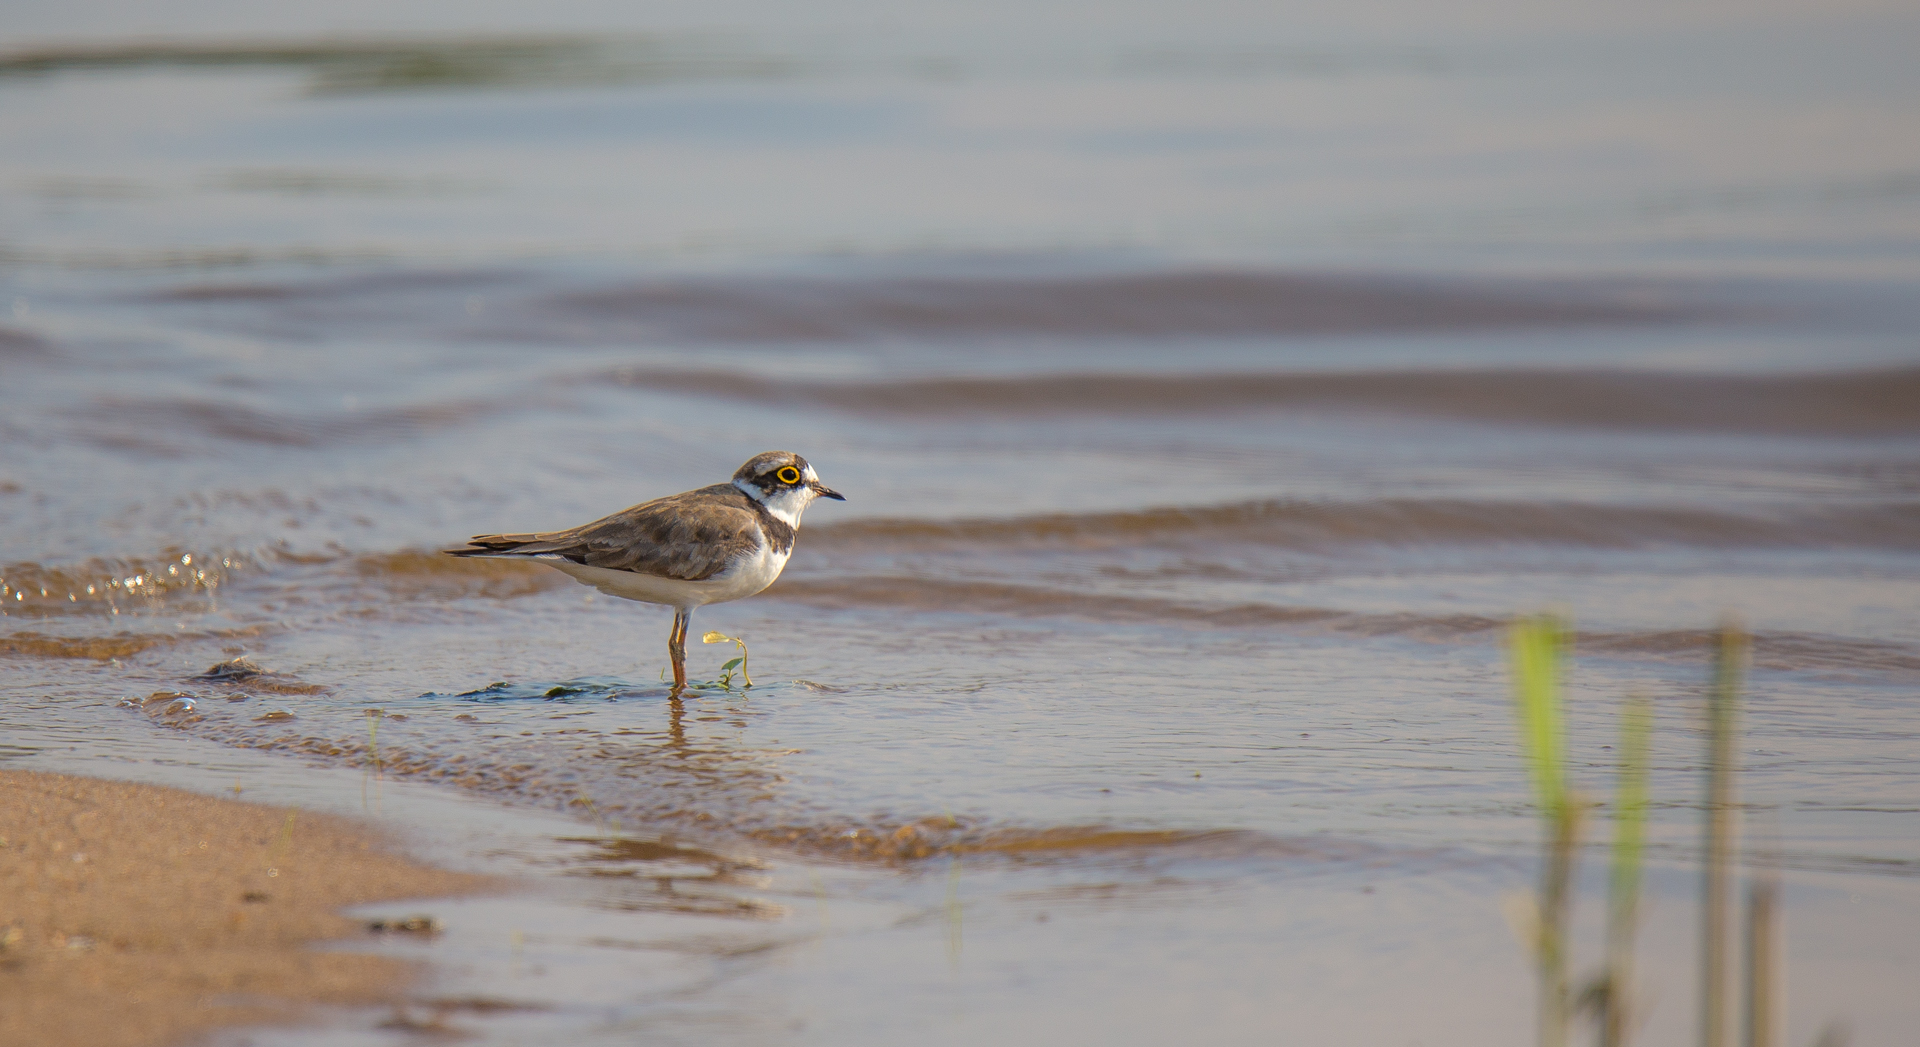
[(1716, 888), (1630, 805), (1538, 648), (1623, 888), (1538, 645)]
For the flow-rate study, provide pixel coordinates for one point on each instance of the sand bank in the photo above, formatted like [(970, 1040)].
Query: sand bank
[(135, 915)]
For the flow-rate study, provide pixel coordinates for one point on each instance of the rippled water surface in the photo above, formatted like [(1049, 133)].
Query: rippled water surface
[(1209, 386)]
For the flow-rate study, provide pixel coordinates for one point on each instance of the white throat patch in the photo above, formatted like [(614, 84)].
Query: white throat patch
[(786, 505)]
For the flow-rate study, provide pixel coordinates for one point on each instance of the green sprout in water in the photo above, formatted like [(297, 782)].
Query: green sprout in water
[(1623, 888), (740, 663), (1716, 887), (1538, 648), (1539, 651)]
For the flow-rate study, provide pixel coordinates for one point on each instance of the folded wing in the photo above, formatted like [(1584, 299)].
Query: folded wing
[(691, 536)]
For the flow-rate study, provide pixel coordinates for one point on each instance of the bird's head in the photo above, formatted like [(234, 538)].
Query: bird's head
[(784, 483)]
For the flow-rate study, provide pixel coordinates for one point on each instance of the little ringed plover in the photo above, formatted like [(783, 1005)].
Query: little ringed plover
[(687, 550)]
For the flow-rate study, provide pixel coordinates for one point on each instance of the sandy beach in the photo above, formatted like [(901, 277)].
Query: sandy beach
[(132, 915)]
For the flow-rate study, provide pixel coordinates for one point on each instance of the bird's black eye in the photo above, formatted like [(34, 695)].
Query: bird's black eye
[(788, 475)]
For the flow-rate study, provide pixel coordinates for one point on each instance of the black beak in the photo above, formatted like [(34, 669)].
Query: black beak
[(826, 492)]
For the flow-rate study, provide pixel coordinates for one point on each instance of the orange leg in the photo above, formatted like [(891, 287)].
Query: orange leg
[(677, 648)]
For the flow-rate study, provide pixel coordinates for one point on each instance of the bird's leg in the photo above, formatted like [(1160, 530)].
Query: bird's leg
[(677, 649)]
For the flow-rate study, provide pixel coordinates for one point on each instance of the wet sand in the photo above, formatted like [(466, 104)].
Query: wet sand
[(132, 914)]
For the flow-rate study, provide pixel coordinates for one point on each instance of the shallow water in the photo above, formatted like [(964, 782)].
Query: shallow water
[(1209, 390)]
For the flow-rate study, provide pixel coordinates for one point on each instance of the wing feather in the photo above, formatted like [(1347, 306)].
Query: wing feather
[(691, 536)]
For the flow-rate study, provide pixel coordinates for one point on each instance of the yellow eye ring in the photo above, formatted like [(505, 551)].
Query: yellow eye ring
[(788, 475)]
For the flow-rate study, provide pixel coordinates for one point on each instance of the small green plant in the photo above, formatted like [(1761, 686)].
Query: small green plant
[(1718, 831), (1539, 650), (1538, 647), (740, 663), (1623, 886)]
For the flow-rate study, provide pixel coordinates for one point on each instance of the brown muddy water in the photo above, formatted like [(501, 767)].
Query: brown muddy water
[(1209, 388)]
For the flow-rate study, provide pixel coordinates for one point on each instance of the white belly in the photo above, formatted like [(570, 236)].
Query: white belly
[(747, 575)]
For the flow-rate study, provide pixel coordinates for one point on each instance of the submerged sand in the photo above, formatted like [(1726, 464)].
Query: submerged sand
[(133, 915)]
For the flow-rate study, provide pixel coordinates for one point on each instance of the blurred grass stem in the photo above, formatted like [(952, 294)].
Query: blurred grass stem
[(1715, 888), (1763, 961), (1538, 646), (1623, 886)]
